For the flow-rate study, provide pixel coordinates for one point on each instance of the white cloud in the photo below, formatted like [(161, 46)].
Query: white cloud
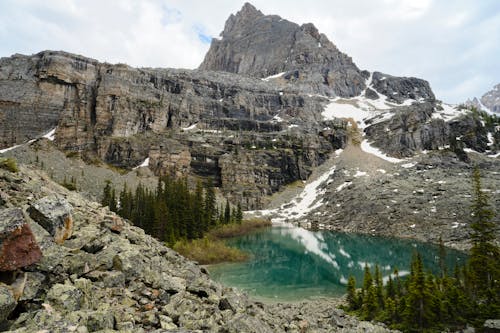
[(447, 43)]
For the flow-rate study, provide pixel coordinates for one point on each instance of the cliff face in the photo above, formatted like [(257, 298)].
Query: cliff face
[(185, 121)]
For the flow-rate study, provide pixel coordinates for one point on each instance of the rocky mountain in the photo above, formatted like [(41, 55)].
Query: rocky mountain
[(272, 105), (84, 269), (490, 101), (263, 46)]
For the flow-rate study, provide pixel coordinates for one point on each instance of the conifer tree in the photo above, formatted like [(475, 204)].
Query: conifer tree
[(352, 298), (210, 204), (227, 213), (484, 262), (239, 214)]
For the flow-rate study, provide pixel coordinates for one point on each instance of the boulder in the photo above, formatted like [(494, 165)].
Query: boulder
[(7, 302), (492, 325), (65, 297), (18, 247), (54, 215)]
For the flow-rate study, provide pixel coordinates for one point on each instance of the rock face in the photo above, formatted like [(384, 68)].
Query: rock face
[(260, 46), (18, 247), (399, 89), (185, 121), (126, 281), (54, 215), (489, 101)]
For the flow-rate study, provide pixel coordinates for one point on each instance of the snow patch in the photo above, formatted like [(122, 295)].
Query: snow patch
[(277, 119), (275, 76), (189, 128), (143, 164), (51, 135), (9, 149), (366, 147), (409, 165), (360, 174), (342, 186), (448, 113)]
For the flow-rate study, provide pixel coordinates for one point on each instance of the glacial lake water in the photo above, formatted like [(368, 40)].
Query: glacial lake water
[(291, 264)]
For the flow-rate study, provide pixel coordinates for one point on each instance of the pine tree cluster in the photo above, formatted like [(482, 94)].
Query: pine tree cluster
[(171, 212), (424, 302)]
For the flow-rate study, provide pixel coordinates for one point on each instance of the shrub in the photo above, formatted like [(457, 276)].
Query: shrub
[(9, 164)]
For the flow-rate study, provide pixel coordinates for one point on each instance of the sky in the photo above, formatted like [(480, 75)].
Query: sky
[(454, 44)]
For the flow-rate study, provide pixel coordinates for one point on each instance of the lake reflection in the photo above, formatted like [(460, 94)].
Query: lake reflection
[(290, 263)]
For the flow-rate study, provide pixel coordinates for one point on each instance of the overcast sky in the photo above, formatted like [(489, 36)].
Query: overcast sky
[(454, 44)]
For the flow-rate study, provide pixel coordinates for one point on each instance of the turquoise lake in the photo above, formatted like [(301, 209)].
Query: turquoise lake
[(290, 264)]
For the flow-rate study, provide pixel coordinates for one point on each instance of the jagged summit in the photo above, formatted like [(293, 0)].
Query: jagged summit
[(490, 101), (263, 46)]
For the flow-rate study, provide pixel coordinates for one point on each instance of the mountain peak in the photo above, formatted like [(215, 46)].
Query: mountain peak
[(249, 9), (261, 45)]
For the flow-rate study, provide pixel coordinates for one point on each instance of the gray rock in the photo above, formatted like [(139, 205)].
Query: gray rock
[(33, 286), (65, 297), (371, 94), (54, 215), (7, 302), (258, 45), (491, 99), (244, 323), (492, 325), (399, 89)]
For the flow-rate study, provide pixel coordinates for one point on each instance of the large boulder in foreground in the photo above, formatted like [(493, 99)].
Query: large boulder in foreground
[(54, 215), (18, 247)]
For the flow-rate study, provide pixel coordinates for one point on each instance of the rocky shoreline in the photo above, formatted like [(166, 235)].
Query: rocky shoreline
[(106, 275)]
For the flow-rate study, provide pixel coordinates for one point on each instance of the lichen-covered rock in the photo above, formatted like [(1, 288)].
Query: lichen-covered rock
[(65, 297), (18, 247), (7, 302), (54, 215)]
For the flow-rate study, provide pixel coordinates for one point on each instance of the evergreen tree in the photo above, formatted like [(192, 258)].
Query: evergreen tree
[(418, 312), (484, 262), (239, 214), (198, 217), (107, 194), (352, 298), (227, 213), (484, 259), (379, 287), (210, 204)]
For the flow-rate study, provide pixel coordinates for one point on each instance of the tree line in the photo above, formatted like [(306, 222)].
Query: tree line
[(424, 302), (172, 211)]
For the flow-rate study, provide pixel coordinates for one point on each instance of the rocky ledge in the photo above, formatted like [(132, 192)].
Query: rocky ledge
[(99, 273)]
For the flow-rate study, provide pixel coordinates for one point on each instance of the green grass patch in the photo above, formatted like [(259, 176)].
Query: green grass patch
[(235, 230), (209, 251), (72, 154), (213, 250), (9, 164)]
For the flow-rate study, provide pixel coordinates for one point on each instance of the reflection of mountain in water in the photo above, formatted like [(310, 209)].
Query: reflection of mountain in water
[(290, 262)]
